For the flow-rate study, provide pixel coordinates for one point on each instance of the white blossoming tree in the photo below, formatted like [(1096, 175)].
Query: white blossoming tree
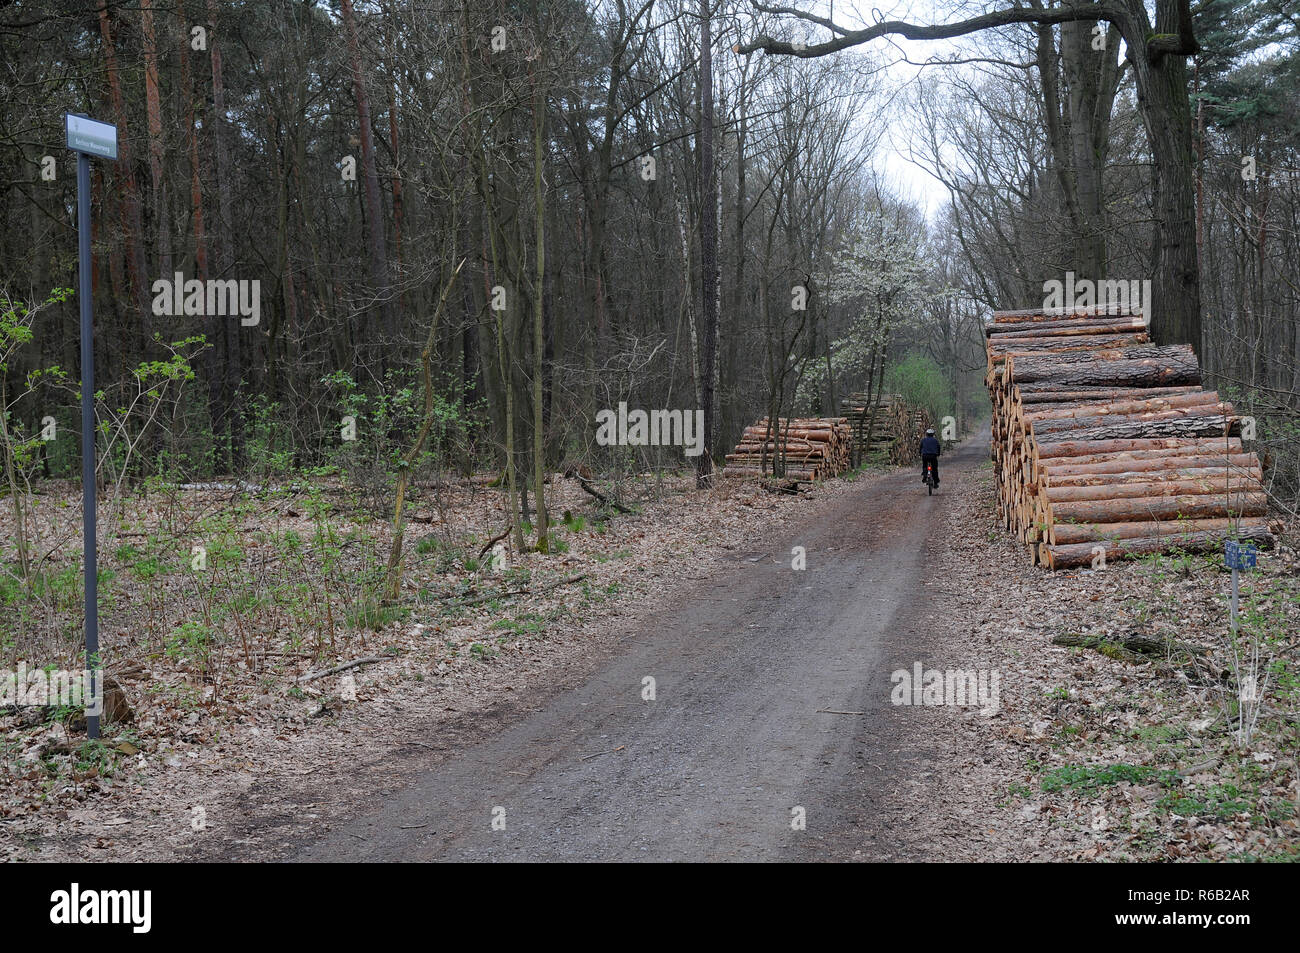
[(881, 279)]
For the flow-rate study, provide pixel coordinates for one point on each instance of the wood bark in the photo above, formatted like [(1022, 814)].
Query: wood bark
[(1069, 533), (709, 198), (161, 204), (1140, 460), (1083, 447), (1227, 484), (539, 331), (376, 242), (223, 338), (1130, 509), (1051, 326), (1156, 470), (1084, 423), (1082, 554), (1207, 425), (132, 217)]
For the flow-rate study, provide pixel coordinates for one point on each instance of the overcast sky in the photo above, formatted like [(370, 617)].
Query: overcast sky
[(909, 179), (892, 162)]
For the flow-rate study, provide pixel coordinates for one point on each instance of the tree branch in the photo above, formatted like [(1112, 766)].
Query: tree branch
[(1102, 10)]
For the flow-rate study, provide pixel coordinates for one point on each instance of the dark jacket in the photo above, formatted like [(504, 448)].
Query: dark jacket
[(930, 447)]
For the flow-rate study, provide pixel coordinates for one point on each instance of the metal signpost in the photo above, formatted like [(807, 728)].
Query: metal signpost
[(88, 138), (1238, 556)]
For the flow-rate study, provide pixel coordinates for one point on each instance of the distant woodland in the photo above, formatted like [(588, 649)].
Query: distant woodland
[(474, 226)]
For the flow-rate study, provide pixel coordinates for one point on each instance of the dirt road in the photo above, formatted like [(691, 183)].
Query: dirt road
[(758, 673)]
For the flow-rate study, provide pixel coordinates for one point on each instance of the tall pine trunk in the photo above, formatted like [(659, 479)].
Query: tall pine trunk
[(708, 250), (223, 336), (539, 300), (374, 210)]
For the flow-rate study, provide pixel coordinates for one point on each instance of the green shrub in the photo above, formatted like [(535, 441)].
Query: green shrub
[(921, 383)]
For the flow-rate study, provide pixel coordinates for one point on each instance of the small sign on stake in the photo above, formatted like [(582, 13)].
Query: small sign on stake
[(1239, 555)]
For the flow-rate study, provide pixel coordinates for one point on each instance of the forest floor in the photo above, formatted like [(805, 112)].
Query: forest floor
[(1102, 755), (772, 691), (221, 729)]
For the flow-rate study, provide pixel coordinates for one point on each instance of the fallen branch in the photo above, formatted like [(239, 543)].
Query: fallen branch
[(604, 500), (1130, 646), (355, 663), (495, 539), (599, 753), (789, 487), (518, 592)]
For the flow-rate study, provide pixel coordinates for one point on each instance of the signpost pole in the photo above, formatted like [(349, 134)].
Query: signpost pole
[(87, 137), (88, 440), (1234, 600), (1237, 556)]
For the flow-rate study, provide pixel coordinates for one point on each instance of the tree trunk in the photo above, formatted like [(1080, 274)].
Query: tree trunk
[(539, 300), (1158, 469), (1090, 451), (393, 582), (1149, 372), (153, 113), (1064, 534), (373, 207), (223, 336), (1164, 485), (1046, 428), (708, 249), (1167, 115), (132, 219), (211, 370), (1082, 554), (1137, 508)]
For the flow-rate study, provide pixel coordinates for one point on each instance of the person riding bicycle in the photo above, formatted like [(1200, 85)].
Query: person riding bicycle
[(930, 450)]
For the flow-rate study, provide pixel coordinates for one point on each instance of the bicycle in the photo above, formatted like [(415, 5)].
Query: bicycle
[(928, 479)]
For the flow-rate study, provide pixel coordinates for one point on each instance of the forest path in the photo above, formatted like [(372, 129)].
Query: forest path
[(771, 693)]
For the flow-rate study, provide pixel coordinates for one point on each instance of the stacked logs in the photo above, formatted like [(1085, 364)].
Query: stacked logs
[(887, 425), (1105, 444), (874, 422), (810, 448), (911, 428)]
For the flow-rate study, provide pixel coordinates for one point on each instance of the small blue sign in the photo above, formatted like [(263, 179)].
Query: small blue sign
[(1239, 555)]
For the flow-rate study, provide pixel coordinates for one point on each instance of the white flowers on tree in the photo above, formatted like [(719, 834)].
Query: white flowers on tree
[(881, 277)]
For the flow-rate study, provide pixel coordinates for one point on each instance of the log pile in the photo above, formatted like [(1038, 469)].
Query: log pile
[(911, 428), (873, 422), (1106, 444), (885, 425), (810, 448)]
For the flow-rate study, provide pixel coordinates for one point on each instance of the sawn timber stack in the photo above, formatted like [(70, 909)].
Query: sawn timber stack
[(886, 424), (873, 421), (810, 448), (1105, 444)]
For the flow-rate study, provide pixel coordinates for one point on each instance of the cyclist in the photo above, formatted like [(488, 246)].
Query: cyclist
[(930, 450)]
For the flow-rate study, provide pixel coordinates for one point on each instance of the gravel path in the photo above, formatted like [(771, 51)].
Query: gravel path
[(771, 704)]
